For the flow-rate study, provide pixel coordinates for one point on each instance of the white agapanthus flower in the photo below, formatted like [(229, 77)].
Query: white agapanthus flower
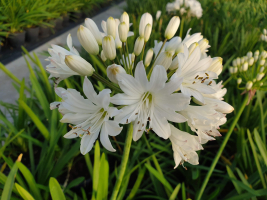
[(57, 67), (193, 6), (89, 116), (184, 146), (149, 101)]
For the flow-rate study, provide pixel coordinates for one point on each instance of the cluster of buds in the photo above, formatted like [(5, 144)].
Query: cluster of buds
[(264, 35), (249, 71), (148, 87)]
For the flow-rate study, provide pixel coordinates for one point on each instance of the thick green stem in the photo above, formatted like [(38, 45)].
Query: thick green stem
[(219, 153), (262, 118), (181, 27), (125, 157), (106, 82)]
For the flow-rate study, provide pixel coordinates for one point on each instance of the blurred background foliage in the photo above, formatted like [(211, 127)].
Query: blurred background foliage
[(52, 167)]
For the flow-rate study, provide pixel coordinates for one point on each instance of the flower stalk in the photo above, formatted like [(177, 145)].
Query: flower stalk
[(124, 161), (106, 82), (219, 153)]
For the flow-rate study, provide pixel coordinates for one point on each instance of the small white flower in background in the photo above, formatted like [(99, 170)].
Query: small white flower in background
[(263, 36), (149, 101), (184, 146), (89, 116), (57, 67), (193, 6), (158, 14)]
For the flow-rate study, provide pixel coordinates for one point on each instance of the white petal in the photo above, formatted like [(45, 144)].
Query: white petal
[(140, 74), (88, 90), (158, 78), (160, 125), (87, 142), (103, 98), (104, 139), (124, 99)]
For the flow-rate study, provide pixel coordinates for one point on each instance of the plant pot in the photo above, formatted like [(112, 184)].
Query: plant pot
[(58, 23), (32, 34), (16, 40), (44, 31), (66, 20)]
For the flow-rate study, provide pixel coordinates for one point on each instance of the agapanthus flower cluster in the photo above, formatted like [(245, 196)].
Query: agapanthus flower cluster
[(263, 36), (249, 71), (155, 89), (190, 7)]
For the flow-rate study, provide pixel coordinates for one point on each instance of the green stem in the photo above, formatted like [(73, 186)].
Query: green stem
[(227, 81), (262, 118), (123, 60), (124, 161), (102, 61), (143, 51), (205, 182), (106, 82), (181, 27)]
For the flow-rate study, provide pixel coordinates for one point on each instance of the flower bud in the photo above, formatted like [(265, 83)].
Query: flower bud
[(234, 63), (87, 40), (174, 64), (123, 31), (242, 60), (147, 32), (254, 80), (138, 46), (173, 44), (249, 85), (192, 48), (251, 61), (238, 61), (164, 59), (260, 76), (216, 65), (262, 62), (249, 54), (172, 27), (245, 58), (203, 45), (103, 57), (109, 48), (256, 57), (148, 58), (79, 65), (112, 72), (125, 18), (262, 37), (263, 54), (231, 70), (180, 48), (239, 81), (264, 31), (132, 57), (257, 53), (145, 19), (90, 24), (261, 69), (245, 66), (235, 70), (158, 14), (111, 27)]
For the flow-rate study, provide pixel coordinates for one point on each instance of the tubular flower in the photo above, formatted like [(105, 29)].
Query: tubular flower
[(57, 67), (149, 101), (89, 116)]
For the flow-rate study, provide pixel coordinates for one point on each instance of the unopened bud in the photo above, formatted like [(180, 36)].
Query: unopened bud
[(234, 63), (132, 57), (261, 69), (147, 32), (260, 76), (251, 61), (249, 54), (249, 85), (111, 27), (138, 46), (231, 70), (158, 14), (216, 65), (261, 83), (145, 19), (90, 24), (112, 72), (174, 64), (123, 31), (109, 48), (245, 66), (125, 18), (87, 40), (257, 53), (172, 27), (262, 62), (103, 57), (264, 31), (239, 81), (203, 45), (164, 59), (242, 60), (263, 54), (180, 48), (79, 65), (148, 58), (238, 61), (235, 70), (256, 57)]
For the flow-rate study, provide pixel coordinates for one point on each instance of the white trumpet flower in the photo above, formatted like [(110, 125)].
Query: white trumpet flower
[(89, 116), (57, 67), (149, 101), (112, 72), (184, 147)]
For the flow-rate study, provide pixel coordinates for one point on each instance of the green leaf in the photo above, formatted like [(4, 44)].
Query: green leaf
[(159, 177), (75, 182), (30, 180), (261, 146), (175, 192), (23, 193), (96, 169), (232, 176), (55, 190)]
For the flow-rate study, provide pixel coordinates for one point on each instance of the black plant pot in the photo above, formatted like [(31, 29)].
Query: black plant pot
[(44, 31), (76, 16), (32, 34), (58, 24), (66, 20), (16, 40)]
